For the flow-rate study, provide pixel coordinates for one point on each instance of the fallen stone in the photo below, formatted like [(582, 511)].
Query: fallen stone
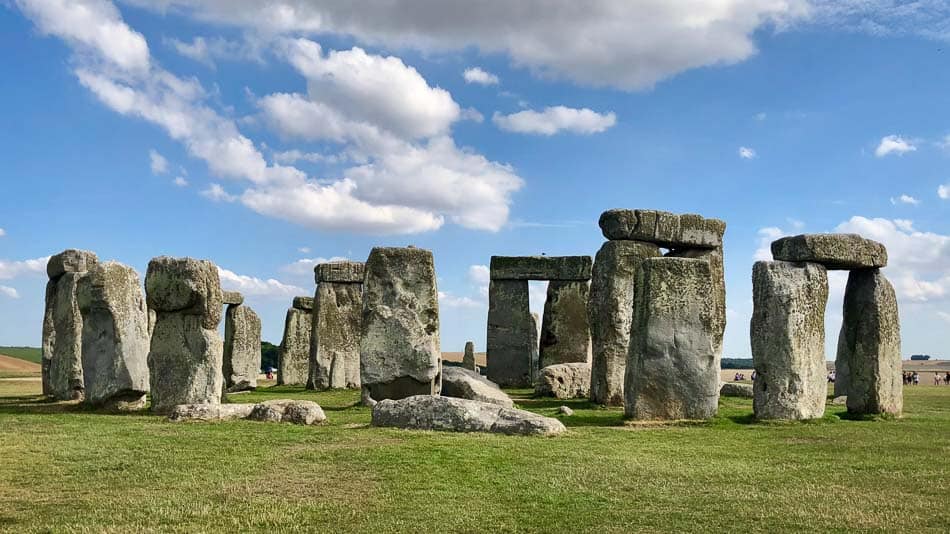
[(564, 410), (298, 412), (399, 344), (350, 272), (335, 337), (610, 312), (665, 229), (303, 303), (540, 267), (293, 356), (210, 412), (564, 381), (565, 327), (232, 298), (115, 340), (788, 340), (512, 339), (733, 389), (870, 341), (673, 367), (834, 251), (431, 412), (467, 384), (242, 348), (468, 357)]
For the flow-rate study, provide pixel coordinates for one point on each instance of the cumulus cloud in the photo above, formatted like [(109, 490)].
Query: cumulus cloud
[(746, 152), (766, 235), (451, 301), (13, 269), (216, 193), (555, 119), (478, 76), (252, 286), (943, 191), (894, 144), (905, 199), (180, 181), (157, 162), (9, 292), (207, 50)]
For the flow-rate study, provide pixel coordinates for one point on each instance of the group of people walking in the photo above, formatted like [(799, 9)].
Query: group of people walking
[(912, 378)]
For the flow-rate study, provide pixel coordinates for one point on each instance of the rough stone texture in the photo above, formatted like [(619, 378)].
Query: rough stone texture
[(564, 381), (842, 372), (565, 327), (468, 384), (733, 389), (303, 303), (468, 357), (335, 341), (399, 344), (564, 410), (232, 298), (667, 230), (210, 412), (298, 412), (834, 251), (610, 310), (186, 352), (839, 400), (152, 317), (242, 348), (673, 367), (870, 342), (340, 272), (293, 356), (115, 340), (534, 349), (429, 412), (715, 259), (512, 337), (788, 339), (540, 267), (70, 261)]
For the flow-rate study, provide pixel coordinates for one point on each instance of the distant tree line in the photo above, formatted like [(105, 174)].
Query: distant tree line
[(268, 355), (736, 363)]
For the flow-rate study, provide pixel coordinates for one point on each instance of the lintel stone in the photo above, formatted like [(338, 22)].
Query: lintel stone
[(663, 228), (834, 251), (350, 272), (541, 267)]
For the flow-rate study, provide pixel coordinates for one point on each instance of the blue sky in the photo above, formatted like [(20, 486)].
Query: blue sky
[(266, 138)]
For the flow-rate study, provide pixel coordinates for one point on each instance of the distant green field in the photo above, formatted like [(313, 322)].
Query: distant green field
[(30, 354)]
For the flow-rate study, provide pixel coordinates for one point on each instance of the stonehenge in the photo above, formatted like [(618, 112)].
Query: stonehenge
[(400, 355), (62, 376), (293, 360), (334, 353), (242, 344), (565, 329), (115, 342), (186, 352)]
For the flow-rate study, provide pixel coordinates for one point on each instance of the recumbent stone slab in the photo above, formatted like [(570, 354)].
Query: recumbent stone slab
[(540, 267), (432, 412), (242, 348), (834, 251), (565, 326), (335, 336), (467, 384), (663, 228)]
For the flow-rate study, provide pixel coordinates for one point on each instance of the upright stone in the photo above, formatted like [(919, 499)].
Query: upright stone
[(468, 357), (673, 367), (512, 337), (115, 340), (715, 259), (399, 346), (788, 339), (337, 320), (610, 310), (535, 341), (242, 347), (62, 325), (565, 329), (186, 353), (870, 343), (293, 356)]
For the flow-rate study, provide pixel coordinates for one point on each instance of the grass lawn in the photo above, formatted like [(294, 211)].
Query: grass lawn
[(66, 469)]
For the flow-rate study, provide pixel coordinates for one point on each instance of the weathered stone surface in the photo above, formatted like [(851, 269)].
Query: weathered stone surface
[(152, 317), (673, 367), (839, 400), (399, 345), (870, 342), (209, 412), (666, 229), (540, 267), (303, 303), (115, 340), (842, 372), (564, 381), (534, 349), (734, 389), (335, 341), (564, 410), (834, 251), (232, 297), (63, 349), (468, 357), (187, 286), (293, 356), (788, 339), (512, 337), (242, 348), (610, 311), (467, 384), (565, 327), (298, 412), (70, 261), (340, 272), (715, 259), (430, 412)]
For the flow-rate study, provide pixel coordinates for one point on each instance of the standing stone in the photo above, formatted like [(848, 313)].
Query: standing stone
[(62, 325), (337, 320), (399, 346), (673, 367), (185, 358), (610, 310), (870, 342), (242, 348), (842, 372), (468, 357), (512, 338), (715, 259), (565, 329), (293, 356), (535, 358), (115, 340), (788, 339)]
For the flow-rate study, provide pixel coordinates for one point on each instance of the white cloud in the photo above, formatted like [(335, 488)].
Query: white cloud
[(905, 199), (9, 292), (925, 18), (3, 232), (303, 250), (555, 119), (944, 315), (766, 236), (894, 144), (451, 301), (216, 193), (207, 50), (12, 269), (760, 116), (157, 162), (289, 157), (943, 191), (252, 286), (746, 152), (180, 181), (479, 76), (305, 266), (479, 274)]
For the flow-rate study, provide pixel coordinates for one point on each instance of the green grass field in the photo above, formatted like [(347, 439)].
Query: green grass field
[(67, 469), (30, 354)]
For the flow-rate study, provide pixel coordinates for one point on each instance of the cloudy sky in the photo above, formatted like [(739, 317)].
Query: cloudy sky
[(267, 136)]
